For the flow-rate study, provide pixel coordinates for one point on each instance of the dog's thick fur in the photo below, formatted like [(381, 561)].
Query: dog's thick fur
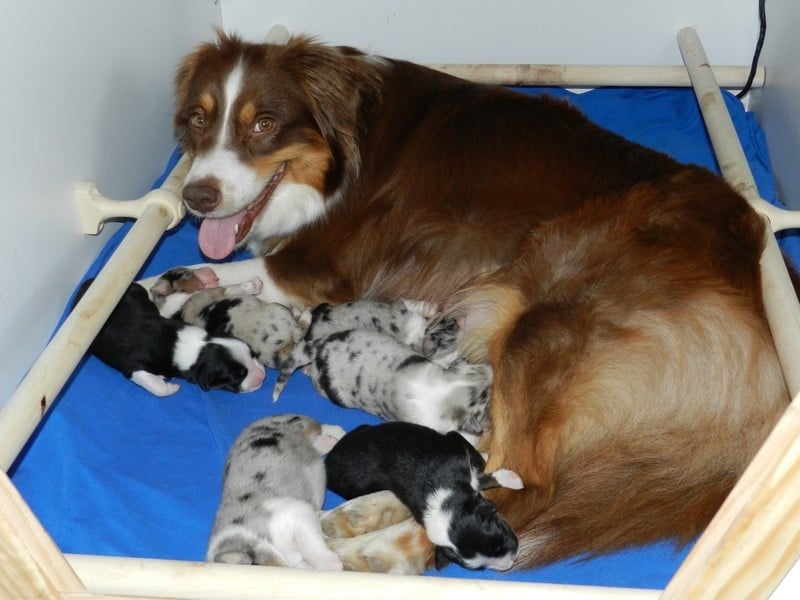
[(615, 292)]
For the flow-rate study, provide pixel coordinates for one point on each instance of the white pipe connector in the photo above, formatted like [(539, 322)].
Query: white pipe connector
[(278, 34), (95, 209)]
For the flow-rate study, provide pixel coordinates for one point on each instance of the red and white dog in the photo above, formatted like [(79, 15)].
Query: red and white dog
[(615, 292)]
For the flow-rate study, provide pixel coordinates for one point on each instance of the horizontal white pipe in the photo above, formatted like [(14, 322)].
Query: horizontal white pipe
[(751, 543), (591, 76), (178, 579)]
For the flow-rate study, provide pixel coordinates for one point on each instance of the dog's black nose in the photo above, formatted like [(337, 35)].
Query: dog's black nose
[(201, 197)]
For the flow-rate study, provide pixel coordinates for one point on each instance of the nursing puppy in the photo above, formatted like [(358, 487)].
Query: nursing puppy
[(269, 328), (148, 349), (614, 291), (273, 489), (439, 478), (404, 320), (416, 324), (374, 372)]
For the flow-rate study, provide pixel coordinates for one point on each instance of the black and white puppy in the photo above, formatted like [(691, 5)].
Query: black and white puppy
[(270, 329), (149, 349), (439, 478)]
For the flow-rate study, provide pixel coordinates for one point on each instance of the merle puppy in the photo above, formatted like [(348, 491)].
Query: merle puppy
[(372, 371), (439, 478), (270, 329), (413, 323), (149, 349), (273, 489)]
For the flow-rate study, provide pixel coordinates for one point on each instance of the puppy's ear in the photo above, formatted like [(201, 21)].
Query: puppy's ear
[(204, 379), (162, 287), (441, 557), (486, 510), (337, 82)]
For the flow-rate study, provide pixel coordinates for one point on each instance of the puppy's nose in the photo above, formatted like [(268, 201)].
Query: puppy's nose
[(201, 197)]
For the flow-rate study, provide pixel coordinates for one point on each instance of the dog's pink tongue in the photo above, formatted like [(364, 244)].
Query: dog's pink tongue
[(217, 237)]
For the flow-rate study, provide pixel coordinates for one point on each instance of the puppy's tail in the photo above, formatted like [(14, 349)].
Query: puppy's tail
[(281, 381), (300, 356)]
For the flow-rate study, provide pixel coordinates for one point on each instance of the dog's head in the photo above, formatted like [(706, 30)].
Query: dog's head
[(271, 133), (226, 364), (470, 532)]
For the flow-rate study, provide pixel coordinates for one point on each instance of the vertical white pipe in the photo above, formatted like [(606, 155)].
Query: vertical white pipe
[(780, 303), (751, 543)]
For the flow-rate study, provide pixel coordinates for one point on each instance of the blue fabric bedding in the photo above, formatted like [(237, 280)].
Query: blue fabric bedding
[(117, 471)]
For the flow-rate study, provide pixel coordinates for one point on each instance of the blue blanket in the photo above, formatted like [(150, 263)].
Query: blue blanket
[(117, 471)]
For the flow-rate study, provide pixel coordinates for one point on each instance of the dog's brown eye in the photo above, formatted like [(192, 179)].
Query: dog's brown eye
[(197, 120), (263, 125)]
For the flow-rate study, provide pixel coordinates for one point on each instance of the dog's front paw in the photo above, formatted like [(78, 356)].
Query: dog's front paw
[(253, 287)]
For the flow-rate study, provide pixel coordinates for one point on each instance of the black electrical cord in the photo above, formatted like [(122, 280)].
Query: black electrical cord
[(762, 30)]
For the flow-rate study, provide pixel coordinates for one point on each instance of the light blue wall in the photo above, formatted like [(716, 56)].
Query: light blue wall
[(617, 32), (778, 104), (86, 95)]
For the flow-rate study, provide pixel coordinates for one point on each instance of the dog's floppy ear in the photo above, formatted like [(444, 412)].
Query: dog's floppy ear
[(336, 81)]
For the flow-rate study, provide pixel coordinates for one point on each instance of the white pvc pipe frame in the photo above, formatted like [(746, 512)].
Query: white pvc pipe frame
[(162, 209)]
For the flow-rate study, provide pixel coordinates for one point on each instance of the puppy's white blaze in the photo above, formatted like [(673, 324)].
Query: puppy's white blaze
[(437, 521), (190, 341), (292, 206), (242, 354)]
